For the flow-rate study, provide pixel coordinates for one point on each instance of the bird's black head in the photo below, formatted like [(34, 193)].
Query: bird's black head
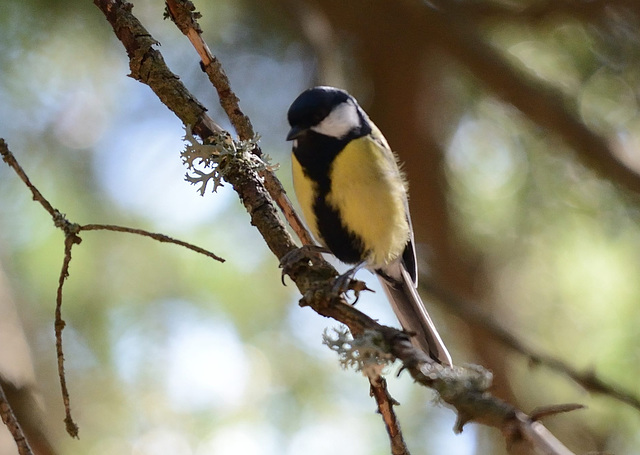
[(314, 105)]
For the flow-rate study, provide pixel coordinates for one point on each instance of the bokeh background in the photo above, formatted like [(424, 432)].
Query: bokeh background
[(519, 127)]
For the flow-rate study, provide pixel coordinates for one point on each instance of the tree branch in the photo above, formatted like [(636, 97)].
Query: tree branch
[(467, 390), (154, 235), (385, 404), (69, 241), (183, 14), (148, 66), (464, 388), (9, 419)]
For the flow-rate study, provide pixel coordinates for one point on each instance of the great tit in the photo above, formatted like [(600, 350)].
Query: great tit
[(354, 199)]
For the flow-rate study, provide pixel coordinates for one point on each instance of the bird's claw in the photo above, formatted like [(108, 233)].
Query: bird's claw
[(305, 253), (347, 282)]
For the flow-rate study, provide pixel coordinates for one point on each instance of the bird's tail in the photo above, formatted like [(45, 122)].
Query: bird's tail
[(410, 311)]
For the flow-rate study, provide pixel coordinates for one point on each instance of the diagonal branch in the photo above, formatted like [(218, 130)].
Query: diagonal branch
[(10, 420), (464, 388), (148, 67), (8, 158), (183, 14)]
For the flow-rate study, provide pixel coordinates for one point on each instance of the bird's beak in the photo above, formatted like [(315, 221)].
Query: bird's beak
[(295, 132)]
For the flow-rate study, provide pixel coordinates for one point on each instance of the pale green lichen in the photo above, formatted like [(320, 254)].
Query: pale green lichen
[(207, 162), (363, 353)]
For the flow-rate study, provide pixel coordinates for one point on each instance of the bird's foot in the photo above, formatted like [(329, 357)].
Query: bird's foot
[(347, 282), (305, 253)]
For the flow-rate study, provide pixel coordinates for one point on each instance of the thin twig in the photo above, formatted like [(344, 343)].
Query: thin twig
[(472, 313), (277, 192), (548, 411), (71, 426), (71, 231), (71, 238), (183, 14), (385, 404), (8, 158), (156, 236), (10, 420)]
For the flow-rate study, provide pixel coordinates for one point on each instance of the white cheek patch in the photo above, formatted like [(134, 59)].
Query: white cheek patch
[(340, 121)]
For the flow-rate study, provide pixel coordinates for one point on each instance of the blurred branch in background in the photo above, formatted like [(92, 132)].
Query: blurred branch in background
[(12, 424), (473, 314), (20, 403), (9, 419), (593, 11), (550, 108)]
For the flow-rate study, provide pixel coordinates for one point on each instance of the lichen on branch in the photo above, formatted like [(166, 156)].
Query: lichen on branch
[(364, 353), (208, 162)]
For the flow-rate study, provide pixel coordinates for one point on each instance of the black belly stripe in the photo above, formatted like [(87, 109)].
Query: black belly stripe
[(344, 244), (316, 153)]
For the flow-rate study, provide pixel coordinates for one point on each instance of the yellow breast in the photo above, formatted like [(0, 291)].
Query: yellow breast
[(368, 190), (306, 191)]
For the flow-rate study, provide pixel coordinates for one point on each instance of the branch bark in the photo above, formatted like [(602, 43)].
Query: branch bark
[(464, 388), (9, 419)]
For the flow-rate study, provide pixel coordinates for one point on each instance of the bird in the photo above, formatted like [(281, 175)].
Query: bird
[(354, 200)]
